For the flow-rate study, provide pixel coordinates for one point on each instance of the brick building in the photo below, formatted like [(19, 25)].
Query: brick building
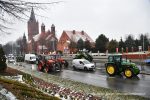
[(69, 37), (42, 42)]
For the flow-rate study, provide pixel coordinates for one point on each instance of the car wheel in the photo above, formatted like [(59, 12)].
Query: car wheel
[(74, 68), (111, 70), (128, 72), (85, 68)]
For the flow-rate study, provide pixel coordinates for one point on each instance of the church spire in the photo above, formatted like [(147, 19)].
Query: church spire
[(32, 16)]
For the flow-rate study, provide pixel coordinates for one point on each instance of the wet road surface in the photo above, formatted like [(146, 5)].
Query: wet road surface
[(138, 85)]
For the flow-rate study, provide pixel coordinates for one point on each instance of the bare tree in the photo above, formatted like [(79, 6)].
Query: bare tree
[(16, 9)]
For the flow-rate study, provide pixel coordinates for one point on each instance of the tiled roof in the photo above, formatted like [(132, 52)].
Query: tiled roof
[(76, 35), (49, 36), (36, 37)]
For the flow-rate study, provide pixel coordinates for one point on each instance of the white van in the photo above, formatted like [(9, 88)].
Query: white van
[(30, 58), (82, 64)]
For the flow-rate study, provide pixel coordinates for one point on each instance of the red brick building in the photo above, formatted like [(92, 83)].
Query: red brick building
[(72, 36), (42, 42)]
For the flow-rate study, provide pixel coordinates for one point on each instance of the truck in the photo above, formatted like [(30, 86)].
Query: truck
[(30, 58)]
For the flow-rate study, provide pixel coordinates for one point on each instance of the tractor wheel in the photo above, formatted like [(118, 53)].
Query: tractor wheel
[(56, 67), (40, 67), (66, 64), (111, 70), (128, 73), (46, 69)]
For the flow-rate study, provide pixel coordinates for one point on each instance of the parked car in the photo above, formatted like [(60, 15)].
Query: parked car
[(46, 64), (11, 59), (19, 58), (30, 58), (82, 64)]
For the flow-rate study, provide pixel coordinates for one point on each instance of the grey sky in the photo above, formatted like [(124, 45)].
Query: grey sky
[(114, 18)]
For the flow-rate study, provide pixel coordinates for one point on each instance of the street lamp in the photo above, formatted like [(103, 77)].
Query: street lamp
[(143, 42)]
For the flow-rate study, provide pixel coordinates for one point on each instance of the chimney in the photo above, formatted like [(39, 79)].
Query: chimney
[(74, 32), (82, 32)]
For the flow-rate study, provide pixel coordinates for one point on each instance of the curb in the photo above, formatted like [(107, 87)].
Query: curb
[(144, 73)]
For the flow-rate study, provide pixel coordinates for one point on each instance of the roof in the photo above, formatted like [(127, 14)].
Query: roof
[(37, 37), (49, 36), (76, 35)]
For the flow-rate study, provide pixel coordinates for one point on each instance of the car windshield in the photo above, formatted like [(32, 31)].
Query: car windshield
[(86, 62)]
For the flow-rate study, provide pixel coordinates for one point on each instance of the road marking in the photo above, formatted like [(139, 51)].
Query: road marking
[(100, 68)]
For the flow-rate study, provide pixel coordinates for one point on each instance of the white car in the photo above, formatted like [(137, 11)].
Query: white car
[(30, 58), (11, 59), (82, 64)]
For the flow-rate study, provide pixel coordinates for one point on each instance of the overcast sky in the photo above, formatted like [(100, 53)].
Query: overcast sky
[(114, 18)]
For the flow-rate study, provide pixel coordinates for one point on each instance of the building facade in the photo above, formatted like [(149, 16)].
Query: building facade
[(69, 39), (40, 42)]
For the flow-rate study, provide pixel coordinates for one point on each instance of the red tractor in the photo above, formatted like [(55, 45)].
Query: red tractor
[(61, 61), (46, 64)]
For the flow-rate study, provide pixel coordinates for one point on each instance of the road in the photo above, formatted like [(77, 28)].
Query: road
[(138, 85)]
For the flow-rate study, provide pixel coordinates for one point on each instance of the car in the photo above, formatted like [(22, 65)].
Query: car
[(82, 64), (30, 58), (118, 64), (11, 59)]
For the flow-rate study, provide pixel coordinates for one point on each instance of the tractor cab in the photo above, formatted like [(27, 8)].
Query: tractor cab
[(117, 64), (59, 59)]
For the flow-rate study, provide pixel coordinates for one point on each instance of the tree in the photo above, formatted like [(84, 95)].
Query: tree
[(122, 45), (113, 44), (3, 65), (80, 44), (130, 43), (137, 44), (72, 46), (16, 9), (101, 43), (144, 42), (87, 45)]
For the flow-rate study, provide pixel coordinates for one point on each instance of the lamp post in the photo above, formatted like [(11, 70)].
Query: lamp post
[(143, 42)]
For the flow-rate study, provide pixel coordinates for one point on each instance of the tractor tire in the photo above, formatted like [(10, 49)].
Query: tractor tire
[(111, 70), (40, 67), (66, 64), (128, 73), (46, 69), (56, 67)]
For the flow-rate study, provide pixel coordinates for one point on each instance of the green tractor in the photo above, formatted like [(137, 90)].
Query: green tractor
[(117, 64), (84, 55)]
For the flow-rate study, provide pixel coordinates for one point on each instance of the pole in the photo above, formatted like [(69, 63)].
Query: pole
[(143, 42)]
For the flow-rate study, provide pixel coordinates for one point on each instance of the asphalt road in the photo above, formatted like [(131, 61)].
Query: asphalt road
[(137, 85)]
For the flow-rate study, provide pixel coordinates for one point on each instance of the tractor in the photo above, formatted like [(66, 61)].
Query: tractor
[(117, 64), (84, 55), (61, 61), (46, 64)]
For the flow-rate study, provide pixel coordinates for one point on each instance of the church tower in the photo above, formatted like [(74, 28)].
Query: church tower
[(53, 29), (33, 26)]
